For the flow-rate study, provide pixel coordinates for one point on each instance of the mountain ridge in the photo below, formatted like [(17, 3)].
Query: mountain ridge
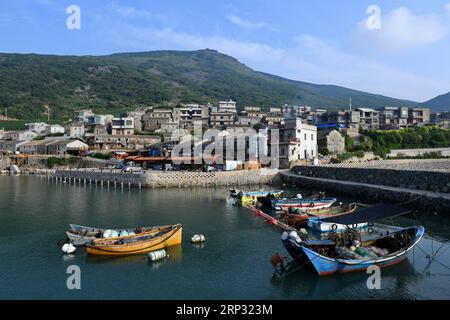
[(122, 81)]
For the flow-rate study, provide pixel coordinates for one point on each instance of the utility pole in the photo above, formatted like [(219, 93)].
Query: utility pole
[(350, 104), (6, 113)]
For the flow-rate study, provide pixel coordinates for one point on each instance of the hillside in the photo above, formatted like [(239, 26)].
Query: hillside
[(440, 103), (120, 82)]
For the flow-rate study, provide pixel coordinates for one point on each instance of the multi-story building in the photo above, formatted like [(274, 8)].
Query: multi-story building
[(122, 126), (37, 127), (274, 119), (24, 135), (76, 130), (99, 120), (298, 141), (369, 118), (222, 119), (120, 142), (187, 115), (10, 145), (418, 116), (393, 117), (66, 147), (248, 121), (153, 119), (83, 115), (441, 119), (227, 106), (347, 118), (254, 112)]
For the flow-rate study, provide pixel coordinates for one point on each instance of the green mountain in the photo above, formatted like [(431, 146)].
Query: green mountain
[(440, 103), (120, 82)]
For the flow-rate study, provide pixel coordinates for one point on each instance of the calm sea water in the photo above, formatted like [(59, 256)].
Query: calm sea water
[(233, 264)]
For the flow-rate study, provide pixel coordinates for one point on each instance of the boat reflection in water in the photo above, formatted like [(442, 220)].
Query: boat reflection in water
[(398, 278), (175, 256)]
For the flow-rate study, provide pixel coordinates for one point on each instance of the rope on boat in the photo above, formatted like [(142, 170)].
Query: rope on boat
[(410, 201)]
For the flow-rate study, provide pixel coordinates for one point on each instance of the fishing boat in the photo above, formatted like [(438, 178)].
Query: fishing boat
[(81, 235), (253, 197), (307, 204), (297, 218), (332, 256), (157, 238)]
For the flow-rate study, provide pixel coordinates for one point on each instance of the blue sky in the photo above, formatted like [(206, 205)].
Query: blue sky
[(320, 41)]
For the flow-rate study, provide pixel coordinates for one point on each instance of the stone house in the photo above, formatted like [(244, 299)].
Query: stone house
[(333, 140)]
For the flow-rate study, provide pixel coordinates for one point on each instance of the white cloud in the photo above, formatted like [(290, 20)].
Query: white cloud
[(244, 23), (402, 29)]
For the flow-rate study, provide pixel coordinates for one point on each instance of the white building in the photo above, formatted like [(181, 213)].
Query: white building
[(55, 129), (298, 141), (37, 127)]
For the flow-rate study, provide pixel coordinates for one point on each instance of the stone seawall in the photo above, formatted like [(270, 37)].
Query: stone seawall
[(157, 179), (101, 177), (418, 200), (411, 179)]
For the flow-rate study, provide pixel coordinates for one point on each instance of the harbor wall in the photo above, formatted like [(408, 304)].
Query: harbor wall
[(158, 179), (420, 201), (435, 181)]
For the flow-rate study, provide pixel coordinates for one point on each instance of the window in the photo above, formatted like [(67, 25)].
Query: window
[(312, 137), (305, 136)]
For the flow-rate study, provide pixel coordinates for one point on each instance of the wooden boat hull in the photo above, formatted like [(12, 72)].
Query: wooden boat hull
[(77, 234), (305, 204), (105, 248), (324, 266), (300, 219)]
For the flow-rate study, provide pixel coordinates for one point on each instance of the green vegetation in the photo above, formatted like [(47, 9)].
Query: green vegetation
[(102, 156), (12, 125), (426, 155), (120, 82), (54, 161), (348, 155), (382, 142), (324, 151)]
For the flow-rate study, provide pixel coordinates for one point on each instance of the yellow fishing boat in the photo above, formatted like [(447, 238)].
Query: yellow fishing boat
[(157, 238), (253, 197)]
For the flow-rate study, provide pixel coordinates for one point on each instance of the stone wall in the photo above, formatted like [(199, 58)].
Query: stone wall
[(428, 202), (445, 152), (158, 179), (422, 180)]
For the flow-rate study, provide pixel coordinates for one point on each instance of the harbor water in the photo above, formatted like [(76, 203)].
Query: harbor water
[(234, 262)]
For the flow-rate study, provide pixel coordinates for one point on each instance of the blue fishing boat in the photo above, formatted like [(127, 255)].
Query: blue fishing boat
[(330, 256), (302, 204)]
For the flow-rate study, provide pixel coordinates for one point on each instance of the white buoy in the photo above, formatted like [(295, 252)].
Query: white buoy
[(157, 255), (68, 248), (198, 238)]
